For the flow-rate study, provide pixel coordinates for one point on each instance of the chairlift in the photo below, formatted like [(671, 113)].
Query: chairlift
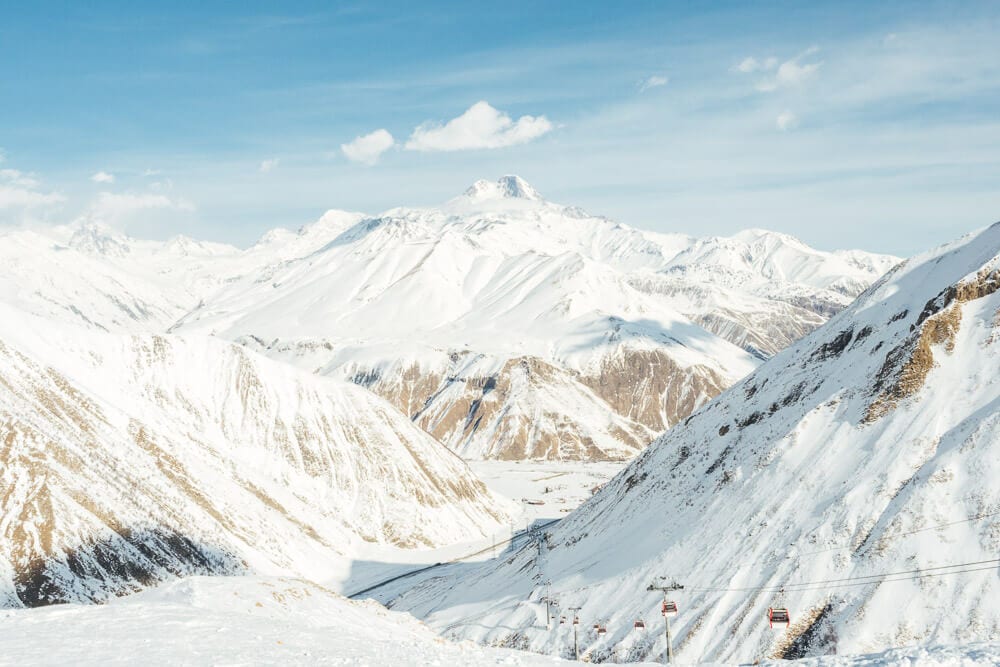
[(639, 625), (669, 607), (778, 615)]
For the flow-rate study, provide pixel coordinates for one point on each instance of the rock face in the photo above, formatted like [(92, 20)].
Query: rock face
[(852, 479), (128, 460)]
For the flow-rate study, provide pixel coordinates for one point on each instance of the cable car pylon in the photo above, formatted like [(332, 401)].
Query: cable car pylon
[(669, 608)]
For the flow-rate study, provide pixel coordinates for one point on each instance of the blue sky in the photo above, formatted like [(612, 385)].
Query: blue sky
[(871, 125)]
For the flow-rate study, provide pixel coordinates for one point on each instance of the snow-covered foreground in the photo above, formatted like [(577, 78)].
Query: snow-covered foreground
[(235, 621), (273, 621)]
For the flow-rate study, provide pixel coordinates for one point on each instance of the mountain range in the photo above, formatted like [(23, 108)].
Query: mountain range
[(504, 325)]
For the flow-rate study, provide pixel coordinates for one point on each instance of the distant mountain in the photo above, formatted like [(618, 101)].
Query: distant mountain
[(502, 324), (852, 479), (130, 459), (511, 327)]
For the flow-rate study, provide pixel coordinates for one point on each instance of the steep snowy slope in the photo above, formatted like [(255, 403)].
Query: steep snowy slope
[(128, 459), (852, 478), (511, 327)]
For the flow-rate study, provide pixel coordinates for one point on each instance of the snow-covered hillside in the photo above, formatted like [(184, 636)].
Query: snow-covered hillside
[(129, 459), (853, 478), (511, 327)]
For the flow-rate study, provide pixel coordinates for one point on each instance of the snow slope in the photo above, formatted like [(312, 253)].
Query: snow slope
[(129, 459), (851, 478), (511, 327), (228, 620), (272, 621)]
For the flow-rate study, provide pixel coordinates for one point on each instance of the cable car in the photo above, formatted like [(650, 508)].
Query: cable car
[(778, 615), (639, 625), (562, 620), (602, 630), (576, 620), (669, 607), (597, 626)]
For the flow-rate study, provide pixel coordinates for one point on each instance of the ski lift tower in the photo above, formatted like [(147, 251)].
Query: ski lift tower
[(667, 604), (576, 625)]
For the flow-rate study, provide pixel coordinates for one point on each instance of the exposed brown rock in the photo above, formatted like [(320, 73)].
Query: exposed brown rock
[(907, 365)]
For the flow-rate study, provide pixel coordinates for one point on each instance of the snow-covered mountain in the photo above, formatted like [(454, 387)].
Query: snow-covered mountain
[(852, 478), (127, 459), (504, 325), (511, 327)]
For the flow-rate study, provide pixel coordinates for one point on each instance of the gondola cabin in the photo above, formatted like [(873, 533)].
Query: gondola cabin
[(778, 615), (602, 630), (669, 607), (576, 620), (639, 625)]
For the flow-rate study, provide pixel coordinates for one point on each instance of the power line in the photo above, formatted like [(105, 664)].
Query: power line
[(862, 579), (777, 558)]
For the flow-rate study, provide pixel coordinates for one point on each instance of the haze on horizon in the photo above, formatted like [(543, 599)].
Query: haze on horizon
[(844, 124)]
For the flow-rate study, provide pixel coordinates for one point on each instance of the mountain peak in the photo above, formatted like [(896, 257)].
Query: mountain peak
[(505, 187)]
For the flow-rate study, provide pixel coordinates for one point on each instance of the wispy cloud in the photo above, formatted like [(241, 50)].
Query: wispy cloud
[(266, 166), (103, 177), (20, 191), (786, 120), (18, 178), (654, 81), (750, 64), (481, 126), (792, 72), (368, 148), (114, 207)]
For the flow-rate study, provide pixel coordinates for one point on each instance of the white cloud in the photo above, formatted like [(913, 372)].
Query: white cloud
[(792, 72), (750, 64), (18, 179), (103, 177), (654, 81), (481, 126), (267, 165), (15, 197), (786, 121), (19, 191), (112, 207), (368, 148)]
